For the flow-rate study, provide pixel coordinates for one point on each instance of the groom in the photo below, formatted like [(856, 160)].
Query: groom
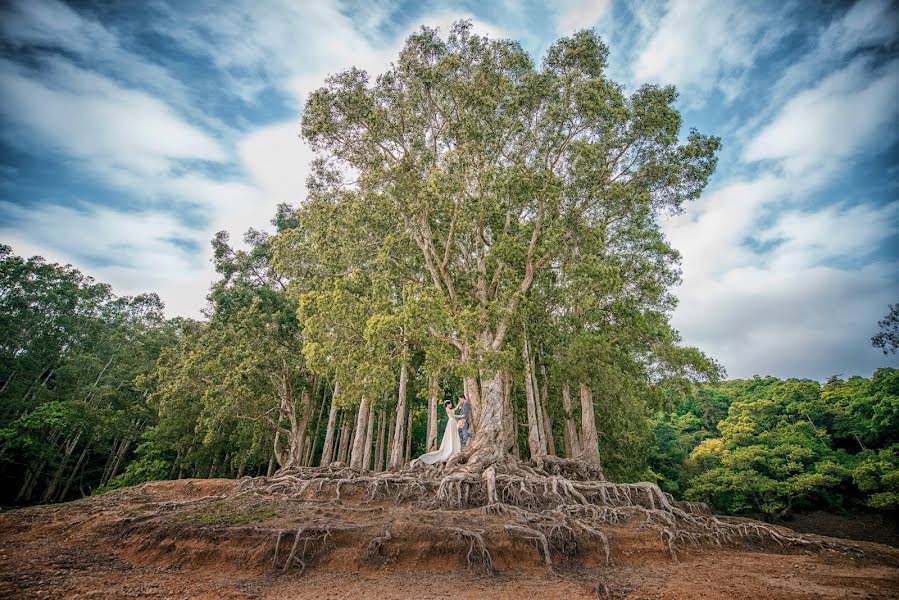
[(463, 413)]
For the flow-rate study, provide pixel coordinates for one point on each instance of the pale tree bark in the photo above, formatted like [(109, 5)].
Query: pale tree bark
[(328, 448), (380, 446), (271, 461), (358, 452), (73, 474), (508, 413), (472, 390), (396, 457), (538, 406), (388, 451), (589, 438), (369, 432), (345, 433), (487, 447), (310, 451), (572, 440), (535, 440), (68, 448), (544, 403), (433, 392), (408, 438)]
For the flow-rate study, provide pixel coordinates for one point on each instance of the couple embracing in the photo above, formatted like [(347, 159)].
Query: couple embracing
[(456, 435)]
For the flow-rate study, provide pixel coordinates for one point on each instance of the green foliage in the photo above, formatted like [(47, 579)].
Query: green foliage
[(74, 362), (783, 445)]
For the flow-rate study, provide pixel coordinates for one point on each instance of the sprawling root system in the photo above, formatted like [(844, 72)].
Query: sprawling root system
[(562, 508)]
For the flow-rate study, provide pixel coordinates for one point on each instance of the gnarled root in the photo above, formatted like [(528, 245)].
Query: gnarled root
[(560, 505), (478, 557), (375, 552)]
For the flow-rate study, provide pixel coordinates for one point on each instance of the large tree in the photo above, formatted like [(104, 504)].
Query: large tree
[(498, 170)]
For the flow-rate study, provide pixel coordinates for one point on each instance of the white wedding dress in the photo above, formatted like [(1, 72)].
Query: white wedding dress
[(450, 445)]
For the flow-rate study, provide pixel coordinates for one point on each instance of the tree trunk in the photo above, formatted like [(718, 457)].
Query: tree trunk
[(328, 448), (433, 392), (408, 438), (388, 451), (572, 440), (508, 412), (487, 447), (535, 440), (472, 390), (544, 404), (318, 423), (369, 432), (589, 438), (344, 438), (379, 449), (306, 410), (74, 473), (359, 451), (69, 447), (396, 457)]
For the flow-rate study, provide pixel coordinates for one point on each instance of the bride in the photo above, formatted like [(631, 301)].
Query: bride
[(450, 445)]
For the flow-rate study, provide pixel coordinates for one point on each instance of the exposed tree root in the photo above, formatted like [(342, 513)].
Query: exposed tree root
[(375, 552), (560, 505), (478, 557)]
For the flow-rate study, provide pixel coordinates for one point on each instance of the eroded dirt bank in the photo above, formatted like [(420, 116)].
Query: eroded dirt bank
[(199, 539)]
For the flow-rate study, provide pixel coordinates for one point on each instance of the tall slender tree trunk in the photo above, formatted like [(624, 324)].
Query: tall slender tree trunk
[(379, 448), (508, 412), (310, 453), (306, 410), (535, 440), (572, 440), (369, 432), (358, 454), (589, 438), (544, 404), (396, 457), (68, 448), (73, 474), (433, 392), (328, 449), (408, 438), (272, 459), (388, 451), (344, 438)]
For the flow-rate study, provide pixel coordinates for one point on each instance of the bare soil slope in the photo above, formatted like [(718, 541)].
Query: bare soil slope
[(205, 539)]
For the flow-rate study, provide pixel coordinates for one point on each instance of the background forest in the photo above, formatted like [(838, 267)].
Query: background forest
[(99, 391)]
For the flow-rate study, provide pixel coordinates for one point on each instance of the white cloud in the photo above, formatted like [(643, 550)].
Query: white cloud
[(708, 43), (51, 24), (811, 322), (579, 14), (135, 249), (832, 121), (816, 237), (93, 118)]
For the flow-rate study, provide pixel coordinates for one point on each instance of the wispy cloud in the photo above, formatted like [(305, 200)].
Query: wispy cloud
[(703, 43), (828, 123), (579, 14), (95, 119)]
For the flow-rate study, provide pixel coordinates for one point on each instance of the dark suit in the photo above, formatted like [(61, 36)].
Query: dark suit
[(464, 412)]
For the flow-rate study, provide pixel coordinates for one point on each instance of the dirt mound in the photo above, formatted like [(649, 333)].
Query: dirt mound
[(230, 539)]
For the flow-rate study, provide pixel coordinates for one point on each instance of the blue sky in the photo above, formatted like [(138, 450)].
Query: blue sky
[(131, 133)]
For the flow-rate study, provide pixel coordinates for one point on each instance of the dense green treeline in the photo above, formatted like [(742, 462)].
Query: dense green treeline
[(769, 446), (73, 365), (100, 392)]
